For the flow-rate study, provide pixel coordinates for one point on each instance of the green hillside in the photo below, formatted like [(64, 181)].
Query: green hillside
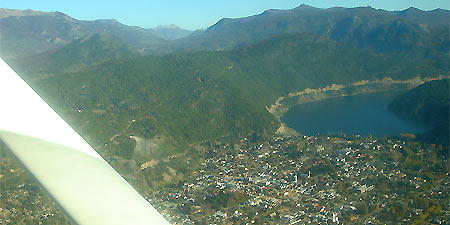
[(86, 51), (214, 95), (159, 114)]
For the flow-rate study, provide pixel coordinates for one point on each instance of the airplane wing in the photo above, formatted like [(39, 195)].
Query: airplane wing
[(82, 183)]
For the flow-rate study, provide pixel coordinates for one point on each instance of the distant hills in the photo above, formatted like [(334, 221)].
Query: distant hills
[(412, 31), (83, 52), (423, 34), (363, 27), (28, 32), (4, 13)]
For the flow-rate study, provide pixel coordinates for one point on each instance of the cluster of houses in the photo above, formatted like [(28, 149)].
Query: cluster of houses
[(23, 203), (289, 180), (292, 180)]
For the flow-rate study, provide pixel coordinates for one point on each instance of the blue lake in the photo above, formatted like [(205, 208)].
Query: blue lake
[(363, 115)]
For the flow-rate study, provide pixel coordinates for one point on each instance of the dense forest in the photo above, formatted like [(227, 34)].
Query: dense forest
[(213, 95)]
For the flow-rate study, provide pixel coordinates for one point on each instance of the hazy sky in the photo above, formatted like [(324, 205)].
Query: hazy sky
[(195, 14)]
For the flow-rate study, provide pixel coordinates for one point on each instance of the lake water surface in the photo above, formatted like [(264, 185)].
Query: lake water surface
[(352, 115)]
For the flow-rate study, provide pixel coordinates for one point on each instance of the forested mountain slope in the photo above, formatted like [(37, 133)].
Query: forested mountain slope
[(427, 103), (408, 33), (83, 52), (212, 95)]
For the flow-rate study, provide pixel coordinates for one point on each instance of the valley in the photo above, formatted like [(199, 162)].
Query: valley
[(192, 120)]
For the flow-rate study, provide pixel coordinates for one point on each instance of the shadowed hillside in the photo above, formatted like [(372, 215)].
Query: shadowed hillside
[(427, 103)]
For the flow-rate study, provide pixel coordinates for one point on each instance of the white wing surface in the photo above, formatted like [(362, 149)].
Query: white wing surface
[(83, 184)]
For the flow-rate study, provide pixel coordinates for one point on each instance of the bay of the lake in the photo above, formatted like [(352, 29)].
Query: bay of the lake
[(364, 115)]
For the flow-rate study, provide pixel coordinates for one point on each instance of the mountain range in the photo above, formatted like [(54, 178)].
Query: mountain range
[(411, 31), (278, 51), (29, 32), (112, 82), (363, 27)]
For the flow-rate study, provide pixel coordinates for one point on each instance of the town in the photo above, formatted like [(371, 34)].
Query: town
[(287, 180), (312, 180)]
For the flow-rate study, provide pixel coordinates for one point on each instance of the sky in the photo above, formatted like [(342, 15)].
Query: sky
[(195, 14)]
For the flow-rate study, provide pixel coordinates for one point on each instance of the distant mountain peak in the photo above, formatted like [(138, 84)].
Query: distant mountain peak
[(221, 22), (413, 9), (4, 13), (305, 6), (440, 10), (108, 21), (170, 26), (410, 11), (170, 32)]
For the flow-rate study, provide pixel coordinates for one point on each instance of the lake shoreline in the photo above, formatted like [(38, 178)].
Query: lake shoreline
[(284, 103)]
